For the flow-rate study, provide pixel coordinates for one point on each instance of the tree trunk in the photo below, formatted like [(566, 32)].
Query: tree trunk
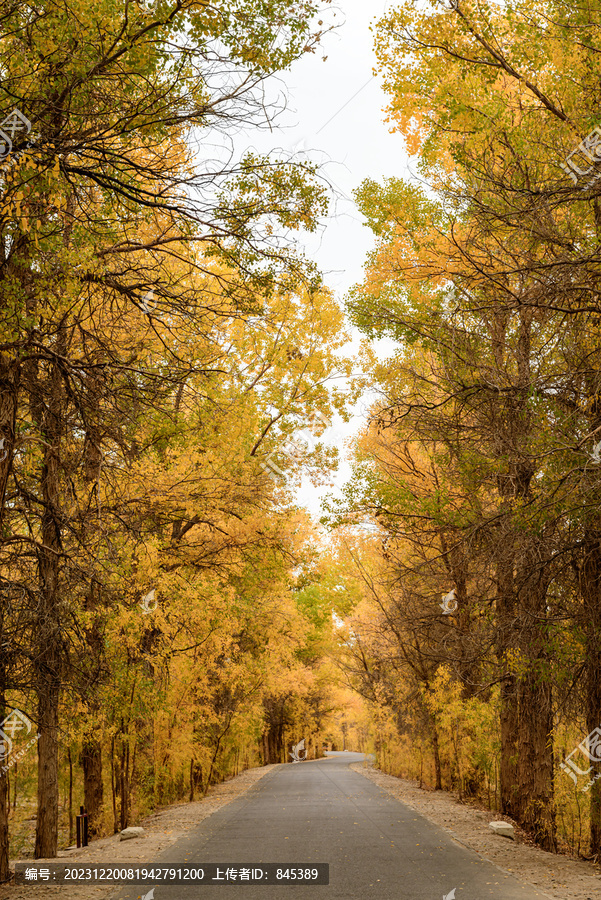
[(70, 797), (124, 783), (9, 391), (48, 663), (437, 766), (113, 786), (590, 586), (91, 758), (274, 750), (535, 808), (46, 837), (508, 772), (4, 809), (48, 685)]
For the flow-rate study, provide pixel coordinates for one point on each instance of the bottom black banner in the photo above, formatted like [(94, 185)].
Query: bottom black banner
[(173, 873)]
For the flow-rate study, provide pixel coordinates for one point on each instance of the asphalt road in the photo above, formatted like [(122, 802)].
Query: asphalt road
[(322, 811)]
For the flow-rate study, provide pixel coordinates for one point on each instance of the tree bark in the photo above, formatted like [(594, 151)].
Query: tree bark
[(508, 770), (437, 766), (124, 782), (91, 759), (10, 374), (113, 786), (508, 715), (590, 587), (4, 808), (48, 417), (46, 838), (70, 797), (535, 809), (9, 391)]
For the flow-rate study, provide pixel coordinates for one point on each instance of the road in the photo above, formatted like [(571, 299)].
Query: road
[(322, 811)]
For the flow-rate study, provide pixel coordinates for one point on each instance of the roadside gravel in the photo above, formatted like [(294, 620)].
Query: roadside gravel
[(561, 877)]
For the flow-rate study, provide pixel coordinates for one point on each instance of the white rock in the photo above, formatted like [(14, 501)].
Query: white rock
[(502, 828), (128, 833)]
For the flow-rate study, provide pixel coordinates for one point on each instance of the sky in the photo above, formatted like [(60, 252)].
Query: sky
[(335, 115)]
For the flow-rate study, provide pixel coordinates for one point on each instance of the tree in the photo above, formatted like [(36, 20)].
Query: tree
[(103, 214)]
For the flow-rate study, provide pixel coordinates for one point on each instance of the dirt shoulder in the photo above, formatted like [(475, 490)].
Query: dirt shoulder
[(162, 829), (560, 877)]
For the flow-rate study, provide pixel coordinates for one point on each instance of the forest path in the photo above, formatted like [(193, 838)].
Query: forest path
[(321, 811)]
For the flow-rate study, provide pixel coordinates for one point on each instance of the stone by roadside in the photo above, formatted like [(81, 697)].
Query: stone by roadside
[(160, 830), (560, 877)]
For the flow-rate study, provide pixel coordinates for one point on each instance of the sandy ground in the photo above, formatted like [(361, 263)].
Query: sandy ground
[(560, 877), (161, 829)]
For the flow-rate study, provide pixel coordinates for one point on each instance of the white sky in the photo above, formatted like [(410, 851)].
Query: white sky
[(335, 116)]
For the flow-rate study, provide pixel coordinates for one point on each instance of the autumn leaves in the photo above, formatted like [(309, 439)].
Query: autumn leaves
[(480, 463), (154, 633)]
